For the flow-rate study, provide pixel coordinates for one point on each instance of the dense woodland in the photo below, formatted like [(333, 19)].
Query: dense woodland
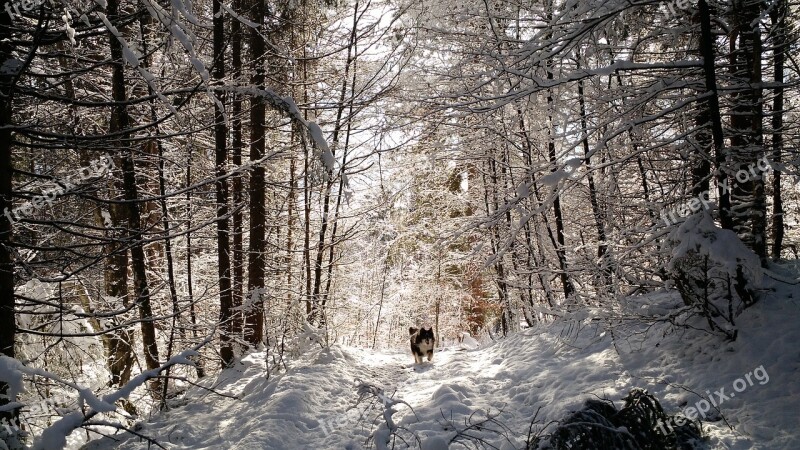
[(182, 182)]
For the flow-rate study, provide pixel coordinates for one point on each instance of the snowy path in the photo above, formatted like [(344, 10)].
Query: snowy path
[(311, 405)]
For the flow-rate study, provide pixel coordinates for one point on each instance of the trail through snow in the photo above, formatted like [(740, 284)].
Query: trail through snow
[(552, 370)]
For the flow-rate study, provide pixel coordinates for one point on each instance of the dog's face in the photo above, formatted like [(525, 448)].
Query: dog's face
[(424, 335)]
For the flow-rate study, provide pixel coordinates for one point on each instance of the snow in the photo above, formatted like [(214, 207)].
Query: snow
[(292, 109), (107, 219), (524, 190), (69, 30), (238, 17), (200, 68), (55, 436), (316, 134), (573, 164), (435, 443), (179, 6), (11, 373), (700, 234), (468, 342), (554, 178), (319, 140), (135, 382), (289, 106), (128, 54), (322, 400), (95, 403)]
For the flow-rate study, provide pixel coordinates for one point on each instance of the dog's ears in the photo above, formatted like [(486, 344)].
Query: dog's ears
[(412, 330)]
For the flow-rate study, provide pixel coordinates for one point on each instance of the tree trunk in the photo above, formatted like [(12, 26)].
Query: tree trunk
[(117, 345), (560, 245), (380, 304), (7, 313), (189, 281), (701, 160), (494, 237), (290, 211), (350, 66), (707, 46), (220, 159), (254, 313), (238, 197), (159, 249), (120, 343), (173, 292), (778, 15), (141, 287), (148, 162), (120, 122), (561, 252), (307, 230), (317, 314), (748, 199), (603, 283), (536, 256)]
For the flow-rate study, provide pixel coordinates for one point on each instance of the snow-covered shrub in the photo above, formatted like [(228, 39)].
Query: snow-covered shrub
[(714, 271), (64, 346), (387, 433), (88, 410), (61, 334), (11, 436), (641, 424)]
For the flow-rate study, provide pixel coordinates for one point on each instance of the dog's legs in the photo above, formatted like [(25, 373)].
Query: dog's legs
[(430, 355), (417, 358)]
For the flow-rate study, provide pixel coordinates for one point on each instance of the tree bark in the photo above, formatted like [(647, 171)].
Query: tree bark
[(220, 159), (141, 287), (317, 312), (7, 311), (707, 46), (121, 342), (560, 249), (236, 156), (778, 15), (494, 237), (120, 122), (350, 66), (748, 199), (603, 283), (155, 148), (173, 292), (536, 255), (118, 343), (254, 313), (290, 224), (189, 280)]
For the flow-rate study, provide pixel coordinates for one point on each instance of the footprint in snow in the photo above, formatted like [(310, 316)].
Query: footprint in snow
[(421, 368)]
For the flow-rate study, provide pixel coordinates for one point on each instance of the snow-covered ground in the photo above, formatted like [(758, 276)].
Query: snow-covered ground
[(755, 382)]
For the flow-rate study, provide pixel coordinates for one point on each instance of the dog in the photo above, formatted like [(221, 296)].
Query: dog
[(422, 342)]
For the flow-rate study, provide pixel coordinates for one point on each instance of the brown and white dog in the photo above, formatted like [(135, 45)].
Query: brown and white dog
[(422, 342)]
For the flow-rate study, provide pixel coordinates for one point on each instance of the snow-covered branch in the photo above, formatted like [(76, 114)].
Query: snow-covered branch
[(12, 372)]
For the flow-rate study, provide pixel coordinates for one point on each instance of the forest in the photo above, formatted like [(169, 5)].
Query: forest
[(244, 205)]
